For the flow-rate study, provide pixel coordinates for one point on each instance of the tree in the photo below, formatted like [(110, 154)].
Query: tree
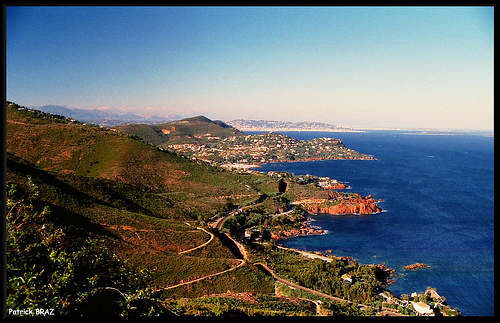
[(422, 298), (282, 186)]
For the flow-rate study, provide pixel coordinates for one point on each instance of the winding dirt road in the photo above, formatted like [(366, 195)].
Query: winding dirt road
[(243, 261), (200, 246)]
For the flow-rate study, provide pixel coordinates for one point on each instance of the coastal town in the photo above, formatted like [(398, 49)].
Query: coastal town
[(263, 148), (265, 125)]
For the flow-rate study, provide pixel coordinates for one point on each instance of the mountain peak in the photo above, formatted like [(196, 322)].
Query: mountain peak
[(203, 120), (198, 119)]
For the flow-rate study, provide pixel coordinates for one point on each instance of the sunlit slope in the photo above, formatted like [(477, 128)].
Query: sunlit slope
[(88, 151), (179, 188), (134, 196), (190, 130)]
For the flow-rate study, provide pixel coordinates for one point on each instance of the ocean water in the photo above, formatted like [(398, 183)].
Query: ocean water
[(437, 191)]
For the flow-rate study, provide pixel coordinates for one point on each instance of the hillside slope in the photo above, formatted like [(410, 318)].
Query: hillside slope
[(220, 144), (100, 153), (129, 195), (195, 130), (92, 211)]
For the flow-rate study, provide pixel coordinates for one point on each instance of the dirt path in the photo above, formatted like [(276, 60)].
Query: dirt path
[(295, 286), (242, 262), (200, 246), (308, 254), (16, 122)]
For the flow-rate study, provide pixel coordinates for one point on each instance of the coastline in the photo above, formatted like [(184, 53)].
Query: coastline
[(390, 273), (308, 229), (266, 129), (246, 167), (391, 168), (305, 230), (315, 159)]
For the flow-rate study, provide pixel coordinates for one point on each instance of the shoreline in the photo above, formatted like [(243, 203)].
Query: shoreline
[(390, 278), (308, 229), (263, 129), (313, 159), (259, 164)]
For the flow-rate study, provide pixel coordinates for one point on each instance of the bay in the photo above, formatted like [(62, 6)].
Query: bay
[(438, 194)]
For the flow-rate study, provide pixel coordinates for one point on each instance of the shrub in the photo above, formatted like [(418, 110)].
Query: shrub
[(48, 268)]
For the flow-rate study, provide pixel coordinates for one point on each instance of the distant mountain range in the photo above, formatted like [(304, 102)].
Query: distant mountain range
[(264, 125), (111, 118), (105, 118)]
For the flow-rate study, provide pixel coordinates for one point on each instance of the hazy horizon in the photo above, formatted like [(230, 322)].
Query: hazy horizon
[(364, 67)]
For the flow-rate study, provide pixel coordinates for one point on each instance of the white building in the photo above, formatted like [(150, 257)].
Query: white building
[(347, 278), (422, 308)]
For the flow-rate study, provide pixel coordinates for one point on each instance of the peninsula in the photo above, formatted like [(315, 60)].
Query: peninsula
[(220, 144), (264, 125)]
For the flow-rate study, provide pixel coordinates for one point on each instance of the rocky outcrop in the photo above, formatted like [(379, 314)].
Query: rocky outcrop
[(415, 266), (304, 230), (340, 204), (168, 131), (385, 274), (336, 186)]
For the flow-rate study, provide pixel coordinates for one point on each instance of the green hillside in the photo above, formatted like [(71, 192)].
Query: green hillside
[(196, 130), (220, 144), (99, 222), (132, 196)]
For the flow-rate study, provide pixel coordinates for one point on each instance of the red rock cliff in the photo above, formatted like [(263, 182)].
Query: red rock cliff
[(355, 204)]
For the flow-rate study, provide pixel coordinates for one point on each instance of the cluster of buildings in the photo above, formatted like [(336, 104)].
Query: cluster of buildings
[(428, 303), (264, 125), (261, 148)]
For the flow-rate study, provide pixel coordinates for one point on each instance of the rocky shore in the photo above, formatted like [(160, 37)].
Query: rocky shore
[(415, 266), (339, 204), (317, 159), (336, 186), (305, 229)]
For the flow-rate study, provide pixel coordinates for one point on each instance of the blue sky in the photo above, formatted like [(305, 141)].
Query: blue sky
[(402, 67)]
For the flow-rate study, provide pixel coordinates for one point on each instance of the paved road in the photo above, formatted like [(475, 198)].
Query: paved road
[(218, 225)]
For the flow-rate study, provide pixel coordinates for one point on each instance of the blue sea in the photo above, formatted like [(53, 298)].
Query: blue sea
[(437, 191)]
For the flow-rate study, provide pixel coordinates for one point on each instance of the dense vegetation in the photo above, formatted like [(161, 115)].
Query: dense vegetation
[(326, 277), (58, 266)]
